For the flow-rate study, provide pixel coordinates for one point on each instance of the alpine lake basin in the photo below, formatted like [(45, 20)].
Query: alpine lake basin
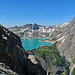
[(33, 43)]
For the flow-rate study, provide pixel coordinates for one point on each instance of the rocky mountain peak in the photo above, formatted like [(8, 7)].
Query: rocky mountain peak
[(34, 24), (74, 18)]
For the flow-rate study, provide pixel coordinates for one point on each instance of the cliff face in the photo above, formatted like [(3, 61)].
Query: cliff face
[(68, 42), (14, 57)]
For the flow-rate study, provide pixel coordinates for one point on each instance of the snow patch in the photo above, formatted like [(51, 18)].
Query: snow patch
[(63, 40), (60, 38), (58, 35)]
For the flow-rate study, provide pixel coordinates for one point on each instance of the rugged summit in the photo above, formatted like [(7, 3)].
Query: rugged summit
[(13, 58)]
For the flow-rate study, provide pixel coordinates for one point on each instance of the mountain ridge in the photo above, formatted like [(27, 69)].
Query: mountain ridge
[(34, 30)]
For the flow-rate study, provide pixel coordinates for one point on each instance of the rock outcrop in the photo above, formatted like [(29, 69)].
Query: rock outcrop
[(67, 45), (14, 57)]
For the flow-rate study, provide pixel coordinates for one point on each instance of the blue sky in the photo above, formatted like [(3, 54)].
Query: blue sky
[(43, 12)]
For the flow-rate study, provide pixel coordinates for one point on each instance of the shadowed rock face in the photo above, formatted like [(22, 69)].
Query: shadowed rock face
[(14, 56)]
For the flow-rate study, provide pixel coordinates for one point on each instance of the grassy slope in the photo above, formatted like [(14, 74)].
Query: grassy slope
[(73, 73), (52, 55), (52, 52)]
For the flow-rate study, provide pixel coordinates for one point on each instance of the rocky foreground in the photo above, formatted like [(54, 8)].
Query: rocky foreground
[(14, 60)]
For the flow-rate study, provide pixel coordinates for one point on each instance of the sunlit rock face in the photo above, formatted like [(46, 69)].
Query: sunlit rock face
[(67, 46)]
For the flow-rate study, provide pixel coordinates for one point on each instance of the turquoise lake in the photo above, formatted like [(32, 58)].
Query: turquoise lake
[(32, 43)]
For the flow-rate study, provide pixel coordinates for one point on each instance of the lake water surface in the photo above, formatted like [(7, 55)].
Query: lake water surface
[(32, 43)]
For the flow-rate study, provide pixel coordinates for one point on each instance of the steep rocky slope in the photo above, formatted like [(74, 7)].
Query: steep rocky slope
[(67, 46), (66, 43), (13, 58)]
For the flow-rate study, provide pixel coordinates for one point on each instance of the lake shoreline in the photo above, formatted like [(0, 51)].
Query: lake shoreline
[(34, 37), (33, 43), (52, 42)]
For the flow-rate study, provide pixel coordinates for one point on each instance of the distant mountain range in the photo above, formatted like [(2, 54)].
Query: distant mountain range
[(34, 30)]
